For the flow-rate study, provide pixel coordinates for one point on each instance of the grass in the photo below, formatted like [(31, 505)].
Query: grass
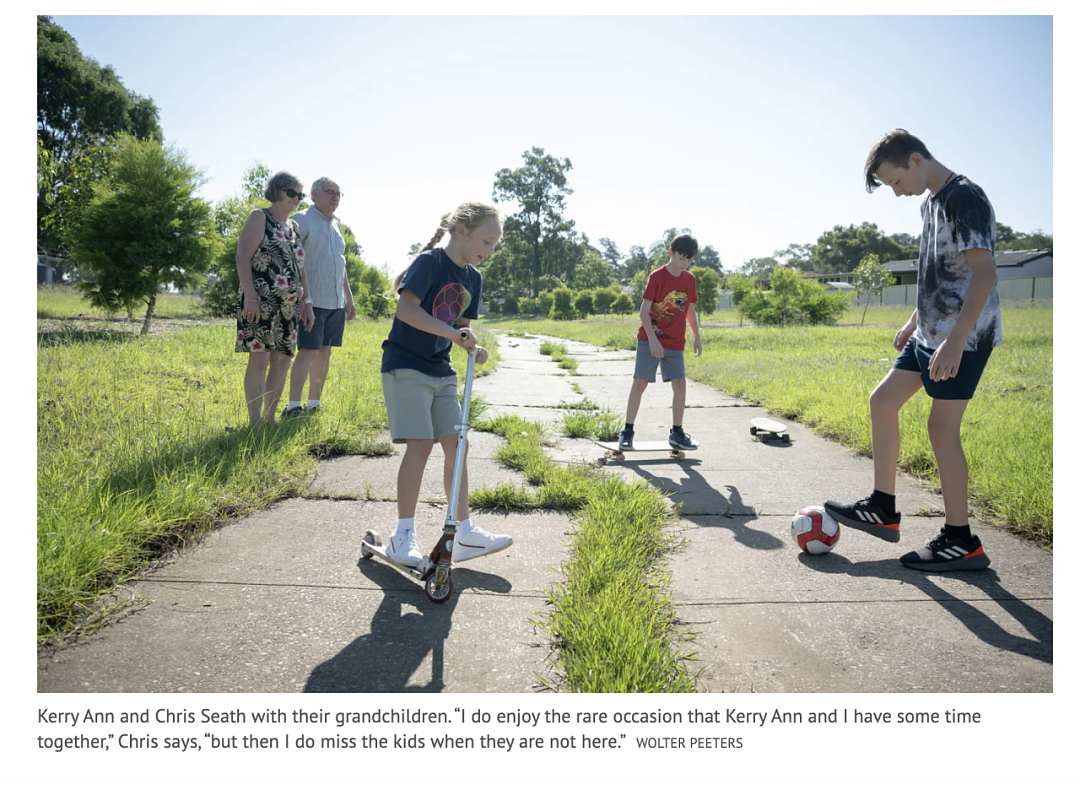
[(64, 301), (612, 622), (604, 424), (143, 445), (1007, 430)]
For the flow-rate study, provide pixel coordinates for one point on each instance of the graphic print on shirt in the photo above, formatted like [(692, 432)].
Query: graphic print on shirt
[(667, 311), (451, 301)]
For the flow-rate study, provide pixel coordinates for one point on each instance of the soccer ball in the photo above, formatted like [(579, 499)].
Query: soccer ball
[(815, 530)]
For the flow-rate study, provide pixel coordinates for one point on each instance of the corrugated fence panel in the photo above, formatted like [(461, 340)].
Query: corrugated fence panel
[(1009, 289)]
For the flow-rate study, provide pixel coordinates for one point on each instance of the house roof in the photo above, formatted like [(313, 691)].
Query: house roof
[(1001, 258)]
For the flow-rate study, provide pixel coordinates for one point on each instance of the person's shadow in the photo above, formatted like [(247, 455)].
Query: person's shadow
[(721, 511), (986, 629), (405, 628)]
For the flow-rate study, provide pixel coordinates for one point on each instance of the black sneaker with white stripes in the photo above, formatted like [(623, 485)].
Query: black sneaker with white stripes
[(867, 516), (945, 554)]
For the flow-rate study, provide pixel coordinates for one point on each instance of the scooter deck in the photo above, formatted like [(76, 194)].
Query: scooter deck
[(367, 550)]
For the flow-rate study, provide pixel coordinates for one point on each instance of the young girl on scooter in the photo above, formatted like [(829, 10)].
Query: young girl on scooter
[(438, 296)]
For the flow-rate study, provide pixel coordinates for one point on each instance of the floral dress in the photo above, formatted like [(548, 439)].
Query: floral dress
[(275, 272)]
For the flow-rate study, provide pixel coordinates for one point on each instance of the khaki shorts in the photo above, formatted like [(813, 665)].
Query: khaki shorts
[(419, 406)]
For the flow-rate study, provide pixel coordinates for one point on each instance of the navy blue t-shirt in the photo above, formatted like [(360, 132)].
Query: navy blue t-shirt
[(447, 292)]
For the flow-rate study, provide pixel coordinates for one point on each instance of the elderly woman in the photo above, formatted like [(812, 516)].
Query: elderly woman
[(273, 285)]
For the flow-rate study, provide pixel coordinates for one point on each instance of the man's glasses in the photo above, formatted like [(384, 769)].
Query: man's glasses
[(334, 194), (294, 194)]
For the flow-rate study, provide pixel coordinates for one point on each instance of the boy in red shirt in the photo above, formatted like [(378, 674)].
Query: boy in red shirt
[(666, 307)]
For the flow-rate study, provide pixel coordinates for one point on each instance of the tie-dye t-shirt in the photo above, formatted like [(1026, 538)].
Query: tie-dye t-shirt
[(957, 218), (448, 293)]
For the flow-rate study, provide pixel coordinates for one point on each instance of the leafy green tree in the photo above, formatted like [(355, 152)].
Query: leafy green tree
[(544, 302), (795, 256), (623, 304), (708, 257), (841, 249), (538, 232), (871, 278), (79, 105), (562, 306), (610, 252), (144, 229), (760, 268), (792, 300), (638, 284), (603, 299), (1010, 240), (583, 304), (592, 272), (637, 261), (708, 286), (220, 297)]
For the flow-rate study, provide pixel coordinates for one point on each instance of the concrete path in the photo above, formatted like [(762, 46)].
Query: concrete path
[(281, 602)]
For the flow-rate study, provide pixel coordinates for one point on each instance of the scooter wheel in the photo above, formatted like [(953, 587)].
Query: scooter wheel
[(436, 594), (370, 538)]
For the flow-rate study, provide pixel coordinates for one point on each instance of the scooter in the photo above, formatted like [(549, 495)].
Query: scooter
[(434, 570)]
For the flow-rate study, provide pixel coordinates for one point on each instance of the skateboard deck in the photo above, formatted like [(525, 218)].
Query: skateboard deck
[(614, 453), (768, 429)]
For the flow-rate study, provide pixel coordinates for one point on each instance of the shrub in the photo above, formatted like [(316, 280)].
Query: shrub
[(583, 304), (603, 299), (562, 306), (623, 304)]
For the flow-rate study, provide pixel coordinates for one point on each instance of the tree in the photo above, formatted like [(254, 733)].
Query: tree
[(1009, 240), (871, 278), (603, 299), (841, 249), (708, 285), (144, 229), (792, 300), (583, 304), (610, 252), (708, 257), (795, 256), (80, 104), (636, 262), (562, 306), (638, 284), (623, 304), (759, 269), (220, 297), (592, 272), (538, 231)]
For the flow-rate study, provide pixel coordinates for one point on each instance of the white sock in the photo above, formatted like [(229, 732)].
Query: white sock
[(465, 526), (293, 405), (405, 524), (312, 403)]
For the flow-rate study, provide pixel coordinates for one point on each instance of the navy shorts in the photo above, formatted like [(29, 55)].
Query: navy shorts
[(328, 330), (916, 357)]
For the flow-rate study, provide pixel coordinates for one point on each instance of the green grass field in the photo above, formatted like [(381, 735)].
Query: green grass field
[(64, 301), (1007, 431), (142, 444)]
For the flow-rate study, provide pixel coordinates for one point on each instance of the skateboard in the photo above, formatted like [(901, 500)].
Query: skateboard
[(615, 454), (768, 429)]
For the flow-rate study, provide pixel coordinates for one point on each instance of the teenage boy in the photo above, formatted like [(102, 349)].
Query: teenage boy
[(943, 347), (666, 307)]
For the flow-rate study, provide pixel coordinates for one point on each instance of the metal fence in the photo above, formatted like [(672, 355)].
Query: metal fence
[(1009, 290)]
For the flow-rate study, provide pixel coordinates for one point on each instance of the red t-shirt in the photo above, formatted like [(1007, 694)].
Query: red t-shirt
[(670, 296)]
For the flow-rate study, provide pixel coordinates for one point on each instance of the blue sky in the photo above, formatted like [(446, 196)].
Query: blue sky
[(751, 131)]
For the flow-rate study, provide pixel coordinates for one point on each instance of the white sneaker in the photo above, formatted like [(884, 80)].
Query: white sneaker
[(404, 549), (476, 542)]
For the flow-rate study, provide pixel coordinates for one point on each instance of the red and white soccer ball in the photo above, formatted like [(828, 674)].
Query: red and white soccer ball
[(815, 530)]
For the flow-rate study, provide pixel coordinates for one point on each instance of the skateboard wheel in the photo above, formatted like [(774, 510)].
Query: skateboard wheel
[(620, 457), (370, 538), (753, 430), (786, 438), (681, 455), (439, 594)]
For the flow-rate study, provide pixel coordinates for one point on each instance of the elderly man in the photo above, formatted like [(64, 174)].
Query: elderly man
[(329, 294)]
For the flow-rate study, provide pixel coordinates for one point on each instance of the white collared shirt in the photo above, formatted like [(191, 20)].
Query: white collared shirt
[(324, 257)]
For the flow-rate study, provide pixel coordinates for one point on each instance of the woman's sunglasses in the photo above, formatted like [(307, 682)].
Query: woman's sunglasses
[(294, 194)]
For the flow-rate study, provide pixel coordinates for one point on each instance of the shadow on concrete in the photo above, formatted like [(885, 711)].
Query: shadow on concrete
[(406, 627), (724, 511), (986, 629)]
